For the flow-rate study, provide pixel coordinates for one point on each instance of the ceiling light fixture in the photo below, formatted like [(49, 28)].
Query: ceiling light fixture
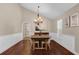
[(38, 19)]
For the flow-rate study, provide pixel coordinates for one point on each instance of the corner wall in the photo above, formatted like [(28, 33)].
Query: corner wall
[(74, 31)]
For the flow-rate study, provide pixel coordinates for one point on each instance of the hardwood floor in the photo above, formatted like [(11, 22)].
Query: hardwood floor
[(24, 48)]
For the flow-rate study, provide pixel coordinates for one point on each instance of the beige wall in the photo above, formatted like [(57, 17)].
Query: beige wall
[(70, 30), (10, 18), (54, 26)]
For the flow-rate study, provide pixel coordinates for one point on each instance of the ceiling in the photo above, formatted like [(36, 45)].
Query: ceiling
[(49, 10)]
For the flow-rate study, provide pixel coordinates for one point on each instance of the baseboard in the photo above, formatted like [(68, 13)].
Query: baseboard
[(8, 41)]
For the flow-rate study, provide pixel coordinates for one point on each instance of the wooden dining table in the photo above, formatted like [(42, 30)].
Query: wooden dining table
[(40, 39)]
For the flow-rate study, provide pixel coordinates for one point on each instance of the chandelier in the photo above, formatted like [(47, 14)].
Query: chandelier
[(38, 19)]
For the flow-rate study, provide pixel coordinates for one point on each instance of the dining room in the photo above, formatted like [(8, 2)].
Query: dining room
[(39, 29)]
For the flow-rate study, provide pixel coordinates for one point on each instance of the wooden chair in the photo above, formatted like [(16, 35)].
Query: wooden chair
[(46, 45), (35, 44)]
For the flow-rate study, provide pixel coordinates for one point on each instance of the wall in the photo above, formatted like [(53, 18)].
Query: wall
[(10, 18), (54, 26), (74, 31), (10, 25)]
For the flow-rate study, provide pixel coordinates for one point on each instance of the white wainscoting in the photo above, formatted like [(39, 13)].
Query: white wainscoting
[(67, 41), (8, 41)]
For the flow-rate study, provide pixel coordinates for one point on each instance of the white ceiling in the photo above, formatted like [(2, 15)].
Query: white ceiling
[(49, 10)]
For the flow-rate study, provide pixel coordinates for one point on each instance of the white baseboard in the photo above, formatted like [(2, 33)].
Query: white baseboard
[(8, 41)]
